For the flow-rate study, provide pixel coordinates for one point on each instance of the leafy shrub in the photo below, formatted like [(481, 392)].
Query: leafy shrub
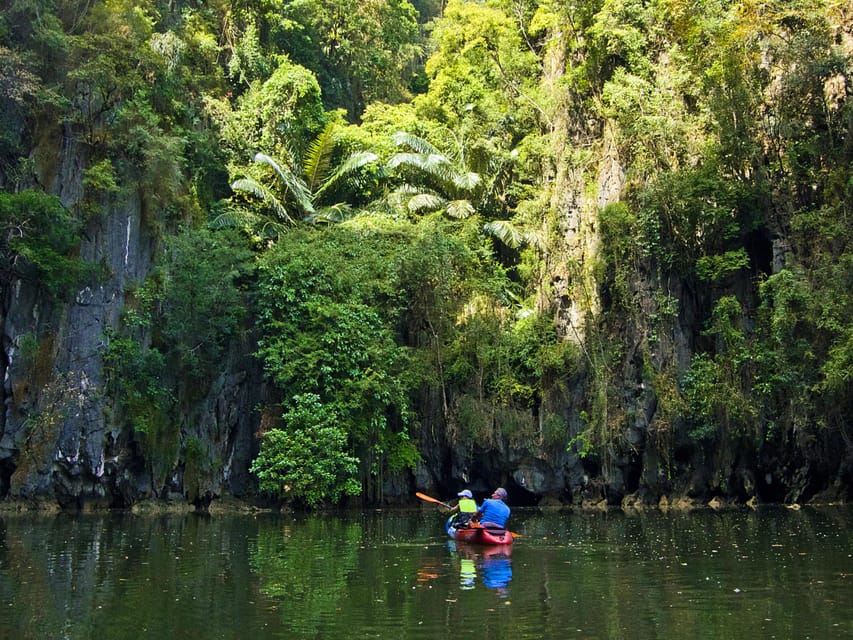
[(308, 460), (38, 243)]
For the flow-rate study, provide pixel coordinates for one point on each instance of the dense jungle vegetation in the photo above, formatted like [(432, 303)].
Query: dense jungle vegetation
[(613, 230)]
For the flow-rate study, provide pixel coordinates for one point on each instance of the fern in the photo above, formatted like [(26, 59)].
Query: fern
[(319, 157)]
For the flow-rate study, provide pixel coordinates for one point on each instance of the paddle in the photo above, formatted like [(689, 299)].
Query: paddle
[(498, 529), (425, 497)]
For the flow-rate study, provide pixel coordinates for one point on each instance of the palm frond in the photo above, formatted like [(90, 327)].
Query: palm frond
[(435, 167), (406, 159), (413, 142), (467, 181), (538, 239), (505, 231), (332, 214), (225, 220), (347, 170), (398, 199), (387, 208), (357, 160), (425, 202), (407, 190), (255, 188), (319, 157), (437, 171), (249, 221), (291, 182), (460, 209)]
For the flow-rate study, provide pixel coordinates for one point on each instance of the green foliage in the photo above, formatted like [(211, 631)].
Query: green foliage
[(536, 358), (690, 214), (722, 136), (101, 177), (199, 300), (705, 398), (476, 422), (582, 442), (152, 156), (656, 126), (518, 427), (431, 181), (455, 303), (38, 243), (619, 253), (19, 86), (192, 307), (717, 394), (716, 268), (555, 432), (200, 464), (303, 192), (504, 368), (126, 92), (787, 360), (100, 185), (481, 71), (248, 62), (281, 113), (620, 30), (329, 307), (602, 419), (379, 123), (308, 460), (360, 52), (136, 375), (108, 61), (838, 368)]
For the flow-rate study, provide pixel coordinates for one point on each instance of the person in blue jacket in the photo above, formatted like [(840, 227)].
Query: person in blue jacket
[(494, 512)]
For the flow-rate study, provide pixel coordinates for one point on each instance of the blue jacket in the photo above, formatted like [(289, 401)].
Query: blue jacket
[(494, 510)]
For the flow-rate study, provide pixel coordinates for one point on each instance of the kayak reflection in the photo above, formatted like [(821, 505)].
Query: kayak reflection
[(493, 564)]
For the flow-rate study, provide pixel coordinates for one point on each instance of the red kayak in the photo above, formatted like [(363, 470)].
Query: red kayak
[(478, 534)]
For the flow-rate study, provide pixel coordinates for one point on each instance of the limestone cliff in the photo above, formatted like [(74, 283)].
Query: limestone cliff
[(63, 438)]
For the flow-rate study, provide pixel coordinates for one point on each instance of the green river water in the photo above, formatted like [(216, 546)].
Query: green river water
[(769, 573)]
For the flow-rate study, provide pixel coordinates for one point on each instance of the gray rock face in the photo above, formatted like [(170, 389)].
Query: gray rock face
[(61, 439)]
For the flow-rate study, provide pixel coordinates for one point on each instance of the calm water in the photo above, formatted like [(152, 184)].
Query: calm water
[(774, 573)]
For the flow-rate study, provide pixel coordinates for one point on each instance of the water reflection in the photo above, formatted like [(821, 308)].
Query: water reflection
[(467, 574), (770, 573), (304, 567), (494, 564)]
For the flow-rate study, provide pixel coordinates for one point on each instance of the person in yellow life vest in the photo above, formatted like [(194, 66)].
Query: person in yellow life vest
[(466, 506)]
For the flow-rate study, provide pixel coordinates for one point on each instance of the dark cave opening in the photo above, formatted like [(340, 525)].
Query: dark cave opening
[(759, 248)]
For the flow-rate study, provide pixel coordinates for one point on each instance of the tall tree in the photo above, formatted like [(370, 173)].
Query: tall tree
[(361, 52)]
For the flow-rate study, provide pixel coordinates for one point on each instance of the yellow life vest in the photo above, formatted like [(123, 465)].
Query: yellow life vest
[(467, 505)]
